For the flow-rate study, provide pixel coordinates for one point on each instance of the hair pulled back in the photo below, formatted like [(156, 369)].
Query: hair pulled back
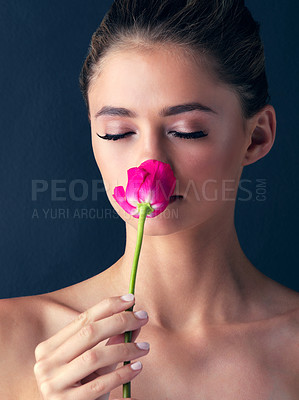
[(224, 31)]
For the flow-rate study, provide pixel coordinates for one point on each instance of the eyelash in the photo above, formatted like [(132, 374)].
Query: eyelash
[(183, 135)]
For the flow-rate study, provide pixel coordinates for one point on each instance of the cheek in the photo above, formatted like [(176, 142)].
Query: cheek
[(113, 162), (219, 158), (230, 157), (210, 169), (109, 166)]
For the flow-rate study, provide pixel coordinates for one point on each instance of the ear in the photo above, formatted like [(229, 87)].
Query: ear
[(261, 135)]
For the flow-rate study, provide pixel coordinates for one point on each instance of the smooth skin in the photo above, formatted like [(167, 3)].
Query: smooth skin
[(76, 353), (217, 327)]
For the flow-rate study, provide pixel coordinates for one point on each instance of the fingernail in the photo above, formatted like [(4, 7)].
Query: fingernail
[(128, 297), (141, 314), (143, 345), (137, 365)]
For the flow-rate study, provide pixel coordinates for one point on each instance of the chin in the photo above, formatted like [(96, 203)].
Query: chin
[(170, 221)]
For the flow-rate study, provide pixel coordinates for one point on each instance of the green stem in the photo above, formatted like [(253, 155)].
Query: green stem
[(144, 209)]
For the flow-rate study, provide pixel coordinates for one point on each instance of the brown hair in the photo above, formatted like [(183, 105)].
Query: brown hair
[(222, 31)]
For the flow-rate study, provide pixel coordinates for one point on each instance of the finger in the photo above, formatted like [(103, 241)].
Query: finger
[(116, 340), (121, 338), (104, 309), (94, 333), (104, 384), (95, 359)]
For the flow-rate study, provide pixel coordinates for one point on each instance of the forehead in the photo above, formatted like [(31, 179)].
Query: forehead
[(157, 77)]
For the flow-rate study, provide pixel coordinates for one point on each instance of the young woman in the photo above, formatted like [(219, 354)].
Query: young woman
[(182, 82)]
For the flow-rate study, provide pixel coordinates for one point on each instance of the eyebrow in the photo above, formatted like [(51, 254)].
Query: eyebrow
[(165, 112)]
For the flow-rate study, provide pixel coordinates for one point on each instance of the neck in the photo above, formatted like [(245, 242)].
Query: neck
[(202, 270)]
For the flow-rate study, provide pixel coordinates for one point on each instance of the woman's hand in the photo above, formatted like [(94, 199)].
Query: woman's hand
[(74, 364)]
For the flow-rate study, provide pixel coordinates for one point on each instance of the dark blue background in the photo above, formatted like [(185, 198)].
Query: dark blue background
[(45, 136)]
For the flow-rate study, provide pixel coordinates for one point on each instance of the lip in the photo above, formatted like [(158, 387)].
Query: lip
[(175, 197)]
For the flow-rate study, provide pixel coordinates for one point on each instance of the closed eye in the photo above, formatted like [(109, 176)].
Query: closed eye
[(183, 135), (109, 136), (189, 135)]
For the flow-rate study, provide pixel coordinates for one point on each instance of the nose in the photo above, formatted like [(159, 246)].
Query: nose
[(153, 145)]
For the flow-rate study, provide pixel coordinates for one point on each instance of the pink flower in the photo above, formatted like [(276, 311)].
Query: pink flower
[(153, 182)]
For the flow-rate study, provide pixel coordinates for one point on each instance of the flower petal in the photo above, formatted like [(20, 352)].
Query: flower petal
[(120, 197), (157, 211), (136, 178), (152, 182), (159, 184)]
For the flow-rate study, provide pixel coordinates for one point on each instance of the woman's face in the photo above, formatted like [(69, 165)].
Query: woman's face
[(149, 87)]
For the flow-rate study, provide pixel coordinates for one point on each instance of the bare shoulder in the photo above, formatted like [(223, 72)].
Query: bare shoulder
[(290, 331), (41, 316), (24, 323), (20, 332), (285, 346), (32, 318), (281, 339), (27, 321), (278, 301), (19, 318), (284, 306)]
